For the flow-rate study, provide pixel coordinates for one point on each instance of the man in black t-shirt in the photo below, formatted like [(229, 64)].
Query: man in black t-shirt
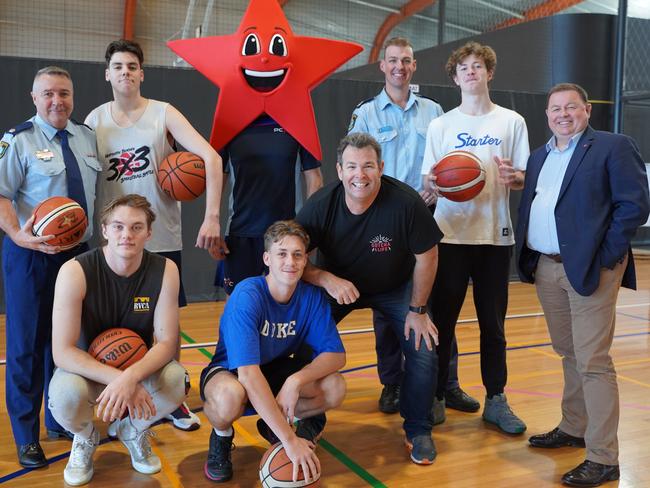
[(377, 249), (118, 285)]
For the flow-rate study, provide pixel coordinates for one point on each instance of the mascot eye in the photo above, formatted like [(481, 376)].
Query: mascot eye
[(251, 45), (278, 46)]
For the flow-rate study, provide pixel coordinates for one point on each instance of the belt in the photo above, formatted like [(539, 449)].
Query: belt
[(554, 257)]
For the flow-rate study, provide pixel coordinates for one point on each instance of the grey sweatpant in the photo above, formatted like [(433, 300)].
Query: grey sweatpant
[(72, 397)]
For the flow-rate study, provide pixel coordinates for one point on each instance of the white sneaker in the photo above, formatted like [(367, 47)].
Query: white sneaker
[(79, 469), (142, 459), (184, 419)]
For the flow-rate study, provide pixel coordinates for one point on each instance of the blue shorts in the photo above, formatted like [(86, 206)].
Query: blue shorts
[(176, 257), (243, 261)]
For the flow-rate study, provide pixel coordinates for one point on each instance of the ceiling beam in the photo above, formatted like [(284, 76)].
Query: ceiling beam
[(392, 20), (543, 9)]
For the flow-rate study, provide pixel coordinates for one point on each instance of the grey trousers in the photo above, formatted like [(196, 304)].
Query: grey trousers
[(582, 330), (72, 397)]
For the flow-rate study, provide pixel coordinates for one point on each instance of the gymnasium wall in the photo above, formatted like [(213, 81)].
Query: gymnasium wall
[(334, 101)]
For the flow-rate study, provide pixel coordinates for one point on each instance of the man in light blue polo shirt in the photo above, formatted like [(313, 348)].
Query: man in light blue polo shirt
[(398, 119), (48, 155)]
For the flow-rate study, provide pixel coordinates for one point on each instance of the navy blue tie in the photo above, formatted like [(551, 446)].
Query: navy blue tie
[(72, 173)]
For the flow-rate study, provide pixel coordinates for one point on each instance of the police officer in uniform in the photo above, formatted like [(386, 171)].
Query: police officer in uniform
[(48, 155)]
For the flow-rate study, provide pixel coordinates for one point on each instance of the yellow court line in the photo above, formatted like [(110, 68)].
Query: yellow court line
[(248, 437), (543, 353), (631, 380), (166, 468)]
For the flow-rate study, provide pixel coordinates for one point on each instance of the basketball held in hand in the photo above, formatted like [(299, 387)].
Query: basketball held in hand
[(118, 347), (181, 176), (460, 176), (62, 218), (276, 470)]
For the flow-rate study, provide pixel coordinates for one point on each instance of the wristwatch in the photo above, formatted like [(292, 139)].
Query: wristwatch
[(422, 309)]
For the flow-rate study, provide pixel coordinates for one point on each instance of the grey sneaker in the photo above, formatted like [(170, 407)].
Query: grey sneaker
[(438, 414), (137, 442), (79, 469), (498, 412)]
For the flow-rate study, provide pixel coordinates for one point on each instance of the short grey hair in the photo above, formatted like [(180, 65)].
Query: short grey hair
[(358, 140)]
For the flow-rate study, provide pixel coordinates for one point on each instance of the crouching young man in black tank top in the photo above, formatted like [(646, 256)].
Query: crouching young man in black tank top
[(97, 291)]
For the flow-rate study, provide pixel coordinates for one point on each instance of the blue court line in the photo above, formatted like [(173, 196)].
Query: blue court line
[(512, 348)]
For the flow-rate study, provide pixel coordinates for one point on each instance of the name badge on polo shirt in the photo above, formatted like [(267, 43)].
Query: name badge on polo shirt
[(44, 155), (386, 128)]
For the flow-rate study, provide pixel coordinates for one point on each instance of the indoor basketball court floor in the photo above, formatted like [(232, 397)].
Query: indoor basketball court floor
[(363, 447)]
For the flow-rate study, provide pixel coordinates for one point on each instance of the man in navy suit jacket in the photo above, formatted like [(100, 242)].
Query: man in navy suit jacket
[(585, 194)]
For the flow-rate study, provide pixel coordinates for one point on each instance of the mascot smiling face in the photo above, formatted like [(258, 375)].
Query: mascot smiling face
[(265, 68)]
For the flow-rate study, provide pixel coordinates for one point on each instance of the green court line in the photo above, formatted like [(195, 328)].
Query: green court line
[(203, 351), (339, 455), (354, 467)]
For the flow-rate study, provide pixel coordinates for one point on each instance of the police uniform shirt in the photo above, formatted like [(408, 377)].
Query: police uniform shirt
[(32, 168), (401, 132)]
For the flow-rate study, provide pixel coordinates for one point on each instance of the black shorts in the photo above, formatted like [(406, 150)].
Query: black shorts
[(176, 257), (276, 373), (243, 261)]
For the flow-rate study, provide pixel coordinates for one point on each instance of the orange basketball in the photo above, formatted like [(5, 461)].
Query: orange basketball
[(276, 470), (460, 176), (61, 217), (119, 348), (181, 176)]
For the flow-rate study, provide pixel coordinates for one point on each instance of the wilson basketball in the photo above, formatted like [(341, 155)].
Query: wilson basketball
[(119, 348), (61, 217), (181, 176), (276, 470), (460, 176)]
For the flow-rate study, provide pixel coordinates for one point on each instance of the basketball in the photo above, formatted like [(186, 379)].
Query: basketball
[(61, 217), (119, 348), (181, 176), (276, 470), (460, 176)]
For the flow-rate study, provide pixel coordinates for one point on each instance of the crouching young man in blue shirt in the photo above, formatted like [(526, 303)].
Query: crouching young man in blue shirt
[(266, 320)]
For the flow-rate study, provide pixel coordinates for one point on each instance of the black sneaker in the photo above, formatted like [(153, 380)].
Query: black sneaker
[(266, 432), (311, 428), (457, 399), (389, 399), (218, 467)]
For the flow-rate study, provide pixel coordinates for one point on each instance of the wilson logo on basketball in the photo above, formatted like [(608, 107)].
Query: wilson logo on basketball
[(380, 244), (141, 304)]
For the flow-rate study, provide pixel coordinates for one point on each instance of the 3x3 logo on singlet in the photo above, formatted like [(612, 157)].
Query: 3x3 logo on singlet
[(129, 164)]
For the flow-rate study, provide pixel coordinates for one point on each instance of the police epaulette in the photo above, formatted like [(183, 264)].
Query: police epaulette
[(363, 102), (28, 124), (81, 123), (428, 98)]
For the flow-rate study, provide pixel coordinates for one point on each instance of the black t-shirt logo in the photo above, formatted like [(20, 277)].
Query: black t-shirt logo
[(380, 244), (128, 163)]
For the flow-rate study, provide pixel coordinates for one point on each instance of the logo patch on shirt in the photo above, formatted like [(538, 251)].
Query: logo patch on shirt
[(278, 129), (3, 148), (44, 155), (380, 244), (505, 232), (141, 304), (129, 164), (280, 330), (352, 121), (466, 140)]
